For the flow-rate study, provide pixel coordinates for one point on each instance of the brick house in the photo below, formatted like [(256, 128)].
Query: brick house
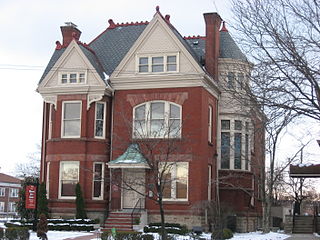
[(143, 81), (9, 195)]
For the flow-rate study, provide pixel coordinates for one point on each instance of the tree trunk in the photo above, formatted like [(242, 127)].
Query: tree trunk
[(163, 228)]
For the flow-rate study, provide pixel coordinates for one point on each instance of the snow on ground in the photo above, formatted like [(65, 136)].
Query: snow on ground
[(59, 235), (260, 236)]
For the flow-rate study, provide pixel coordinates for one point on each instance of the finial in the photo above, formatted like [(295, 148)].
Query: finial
[(58, 45), (167, 18), (111, 24), (157, 8), (224, 29)]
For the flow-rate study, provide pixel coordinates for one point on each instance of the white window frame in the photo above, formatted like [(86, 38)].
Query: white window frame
[(62, 119), (14, 192), (48, 179), (104, 120), (173, 170), (165, 62), (232, 132), (147, 127), (2, 206), (102, 181), (210, 124), (2, 192), (60, 175), (12, 207), (50, 121), (209, 182), (78, 77)]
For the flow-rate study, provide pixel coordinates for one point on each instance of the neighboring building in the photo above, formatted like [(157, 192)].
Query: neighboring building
[(157, 79), (9, 195)]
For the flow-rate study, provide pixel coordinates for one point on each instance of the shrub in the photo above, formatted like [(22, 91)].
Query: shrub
[(17, 233), (147, 237), (80, 209), (1, 233), (42, 200), (222, 234), (123, 235), (173, 228), (42, 227)]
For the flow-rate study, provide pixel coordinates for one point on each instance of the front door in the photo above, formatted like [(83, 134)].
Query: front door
[(135, 179)]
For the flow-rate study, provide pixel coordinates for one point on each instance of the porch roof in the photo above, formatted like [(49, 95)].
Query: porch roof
[(131, 158)]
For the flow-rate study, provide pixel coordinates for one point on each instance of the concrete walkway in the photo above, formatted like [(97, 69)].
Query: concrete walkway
[(88, 237), (302, 237)]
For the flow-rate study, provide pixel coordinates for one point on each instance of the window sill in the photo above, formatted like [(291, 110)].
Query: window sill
[(176, 202)]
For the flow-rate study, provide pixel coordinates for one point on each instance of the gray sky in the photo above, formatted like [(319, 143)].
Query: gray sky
[(29, 30)]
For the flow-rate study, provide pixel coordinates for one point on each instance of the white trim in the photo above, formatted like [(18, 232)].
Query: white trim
[(150, 56), (60, 168), (102, 181), (3, 184), (210, 127), (209, 182), (62, 119), (126, 165), (50, 121), (68, 73), (104, 121), (48, 179)]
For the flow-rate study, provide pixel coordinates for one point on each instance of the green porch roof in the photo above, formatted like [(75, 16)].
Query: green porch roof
[(131, 158)]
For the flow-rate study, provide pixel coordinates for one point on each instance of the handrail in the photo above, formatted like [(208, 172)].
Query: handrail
[(137, 208)]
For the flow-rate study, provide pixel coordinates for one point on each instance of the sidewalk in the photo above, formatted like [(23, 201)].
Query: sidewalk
[(88, 237), (302, 237)]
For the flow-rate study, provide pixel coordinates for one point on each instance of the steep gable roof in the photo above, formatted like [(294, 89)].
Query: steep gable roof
[(114, 43)]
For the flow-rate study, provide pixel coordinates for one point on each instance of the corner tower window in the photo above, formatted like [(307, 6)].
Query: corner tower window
[(69, 177)]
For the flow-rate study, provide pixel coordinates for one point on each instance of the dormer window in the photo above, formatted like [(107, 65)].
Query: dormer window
[(73, 78), (158, 64)]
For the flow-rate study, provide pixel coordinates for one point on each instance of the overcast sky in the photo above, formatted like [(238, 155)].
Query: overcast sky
[(29, 30)]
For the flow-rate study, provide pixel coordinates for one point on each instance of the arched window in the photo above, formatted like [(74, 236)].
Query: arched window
[(157, 119)]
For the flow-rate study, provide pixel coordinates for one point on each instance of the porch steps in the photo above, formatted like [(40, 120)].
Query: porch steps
[(303, 224), (119, 220)]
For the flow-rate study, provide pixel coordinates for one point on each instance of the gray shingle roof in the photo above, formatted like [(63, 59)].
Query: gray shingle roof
[(56, 55), (112, 45), (93, 60), (228, 47)]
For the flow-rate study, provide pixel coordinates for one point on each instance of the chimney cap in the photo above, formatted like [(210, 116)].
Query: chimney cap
[(224, 29), (70, 24)]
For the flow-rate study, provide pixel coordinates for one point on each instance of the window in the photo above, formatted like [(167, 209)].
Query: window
[(210, 124), (73, 78), (99, 122), (50, 121), (235, 143), (157, 119), (209, 181), (98, 177), (225, 150), (157, 64), (240, 80), (231, 79), (2, 192), (1, 206), (69, 177), (175, 180), (171, 63), (71, 125), (12, 207), (14, 192), (48, 179)]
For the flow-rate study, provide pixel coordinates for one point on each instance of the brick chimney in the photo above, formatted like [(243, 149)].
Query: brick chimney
[(213, 22), (69, 32)]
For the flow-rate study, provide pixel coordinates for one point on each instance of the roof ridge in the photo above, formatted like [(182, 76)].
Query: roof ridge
[(194, 37), (60, 46)]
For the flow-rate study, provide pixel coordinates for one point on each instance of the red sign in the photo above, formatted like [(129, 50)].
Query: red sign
[(31, 196)]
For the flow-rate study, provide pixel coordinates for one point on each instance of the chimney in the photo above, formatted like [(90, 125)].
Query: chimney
[(69, 32), (213, 22)]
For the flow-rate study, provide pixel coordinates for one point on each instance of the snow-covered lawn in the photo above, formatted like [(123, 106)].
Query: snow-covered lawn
[(260, 236), (59, 235)]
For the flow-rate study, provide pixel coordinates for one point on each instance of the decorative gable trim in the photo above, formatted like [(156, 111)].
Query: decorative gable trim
[(179, 98)]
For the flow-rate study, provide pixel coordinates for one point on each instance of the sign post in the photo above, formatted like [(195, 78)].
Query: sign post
[(31, 201)]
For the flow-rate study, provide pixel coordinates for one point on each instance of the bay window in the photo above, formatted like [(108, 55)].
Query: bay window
[(99, 131), (71, 119), (68, 178)]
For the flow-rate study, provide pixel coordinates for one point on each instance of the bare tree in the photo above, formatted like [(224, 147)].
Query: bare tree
[(158, 148), (281, 38), (30, 167)]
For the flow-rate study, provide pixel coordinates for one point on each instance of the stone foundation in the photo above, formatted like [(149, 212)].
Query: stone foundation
[(188, 220), (248, 224)]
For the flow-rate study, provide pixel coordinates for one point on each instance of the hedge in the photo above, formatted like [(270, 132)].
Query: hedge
[(173, 228), (17, 233)]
